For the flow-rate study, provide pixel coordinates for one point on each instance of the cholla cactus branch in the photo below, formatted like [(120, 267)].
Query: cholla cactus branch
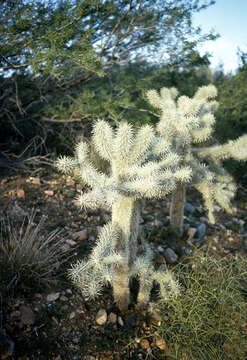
[(97, 198), (236, 149), (66, 165), (141, 145), (103, 139), (169, 287)]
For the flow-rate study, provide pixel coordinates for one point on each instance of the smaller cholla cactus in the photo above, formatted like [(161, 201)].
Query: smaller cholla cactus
[(183, 123), (141, 166)]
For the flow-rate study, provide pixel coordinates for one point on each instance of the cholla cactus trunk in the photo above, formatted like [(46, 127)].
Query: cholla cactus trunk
[(125, 218), (178, 199), (177, 209)]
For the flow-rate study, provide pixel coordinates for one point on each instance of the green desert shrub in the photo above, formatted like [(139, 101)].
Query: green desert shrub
[(208, 319), (27, 257)]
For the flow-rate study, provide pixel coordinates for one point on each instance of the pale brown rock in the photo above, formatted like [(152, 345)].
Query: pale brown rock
[(72, 315), (80, 235), (155, 319), (70, 182), (49, 192), (161, 344), (36, 181), (71, 243), (27, 315), (144, 343), (52, 297), (120, 321), (112, 318), (101, 317), (191, 232), (20, 194)]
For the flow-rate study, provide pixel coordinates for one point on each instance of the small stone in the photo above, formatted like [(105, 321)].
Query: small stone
[(160, 249), (189, 208), (80, 311), (191, 232), (36, 181), (65, 248), (72, 315), (69, 291), (76, 341), (112, 318), (52, 297), (155, 319), (101, 317), (185, 250), (120, 321), (161, 344), (132, 321), (20, 194), (144, 343), (71, 243), (63, 298), (200, 231), (27, 315), (159, 260), (55, 320), (80, 235), (49, 192), (70, 182), (170, 256)]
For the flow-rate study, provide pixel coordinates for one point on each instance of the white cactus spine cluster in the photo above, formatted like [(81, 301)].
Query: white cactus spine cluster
[(142, 166)]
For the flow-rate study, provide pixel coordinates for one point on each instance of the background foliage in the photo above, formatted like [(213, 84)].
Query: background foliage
[(66, 63)]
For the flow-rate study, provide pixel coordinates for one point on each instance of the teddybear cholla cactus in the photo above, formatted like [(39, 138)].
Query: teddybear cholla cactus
[(142, 166), (186, 122)]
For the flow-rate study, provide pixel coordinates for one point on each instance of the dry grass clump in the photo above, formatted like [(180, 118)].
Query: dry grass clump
[(27, 257), (208, 321)]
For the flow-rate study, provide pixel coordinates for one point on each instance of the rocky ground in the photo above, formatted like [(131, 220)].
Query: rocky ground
[(56, 322)]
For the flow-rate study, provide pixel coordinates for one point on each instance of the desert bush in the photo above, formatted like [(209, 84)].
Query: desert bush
[(208, 319)]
